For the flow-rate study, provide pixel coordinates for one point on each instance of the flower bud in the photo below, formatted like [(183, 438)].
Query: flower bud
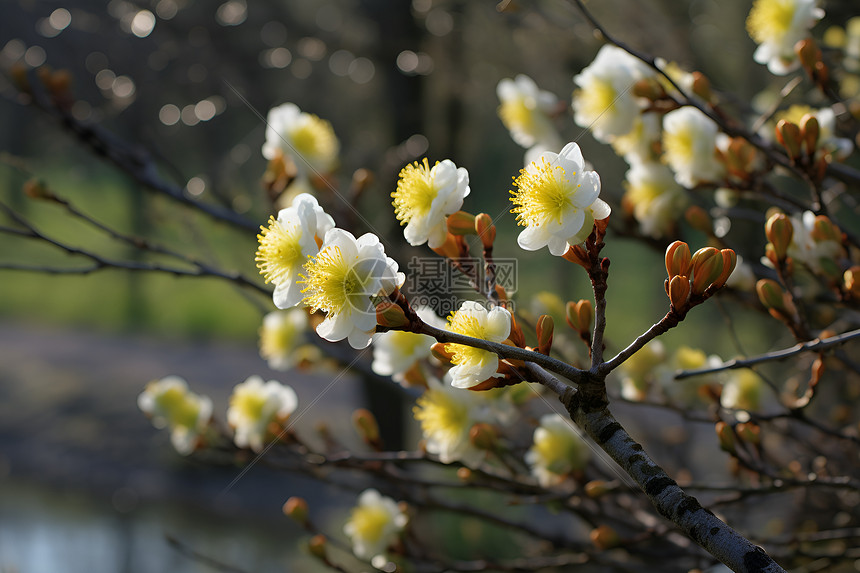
[(824, 230), (707, 267), (730, 261), (779, 232), (579, 315), (851, 277), (37, 189), (296, 508), (596, 488), (461, 223), (726, 436), (788, 135), (698, 219), (440, 351), (648, 89), (317, 547), (679, 291), (391, 315), (770, 294), (449, 249), (808, 53), (544, 329), (749, 432), (678, 259), (810, 130), (604, 537), (484, 436), (366, 426), (577, 254), (701, 86), (485, 229)]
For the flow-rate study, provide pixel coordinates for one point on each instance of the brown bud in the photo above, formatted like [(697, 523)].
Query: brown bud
[(596, 488), (366, 426), (678, 259), (579, 315), (779, 231), (679, 291), (449, 249), (649, 89), (484, 436), (770, 294), (808, 53), (749, 432), (730, 261), (707, 267), (810, 130), (544, 330), (701, 86), (317, 547), (391, 315), (461, 223), (788, 135), (440, 351), (36, 189), (726, 437), (296, 508), (825, 230), (698, 218), (577, 254), (604, 537)]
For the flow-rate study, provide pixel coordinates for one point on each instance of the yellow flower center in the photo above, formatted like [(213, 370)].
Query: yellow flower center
[(463, 323), (644, 193), (331, 281), (315, 138), (556, 451), (180, 409), (597, 99), (679, 145), (770, 19), (248, 403), (406, 342), (370, 522), (515, 114), (279, 253), (441, 416), (415, 192), (689, 358), (277, 341), (542, 196)]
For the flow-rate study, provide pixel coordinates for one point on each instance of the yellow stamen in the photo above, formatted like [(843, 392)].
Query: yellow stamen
[(598, 99), (369, 522), (543, 196), (180, 408), (415, 192), (279, 253), (680, 144), (315, 138), (330, 281), (770, 19), (463, 323), (515, 114), (441, 416), (248, 403)]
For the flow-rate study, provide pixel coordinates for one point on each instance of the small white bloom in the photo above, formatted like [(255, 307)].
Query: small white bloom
[(604, 102), (307, 139), (446, 415), (255, 406), (654, 197), (396, 351), (282, 332), (374, 524), (556, 200), (805, 247), (639, 145), (425, 197), (341, 281), (525, 110), (170, 404), (689, 146), (473, 365), (776, 26), (557, 450), (286, 244)]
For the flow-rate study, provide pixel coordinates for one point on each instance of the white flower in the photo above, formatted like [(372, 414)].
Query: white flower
[(425, 197), (341, 279), (638, 145), (654, 197), (256, 408), (604, 102), (473, 365), (805, 247), (286, 244), (525, 110), (307, 139), (170, 404), (280, 335), (742, 390), (374, 524), (776, 26), (556, 451), (396, 351), (447, 414), (556, 200), (689, 146)]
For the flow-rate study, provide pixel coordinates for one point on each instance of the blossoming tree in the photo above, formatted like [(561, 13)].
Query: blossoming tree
[(517, 406)]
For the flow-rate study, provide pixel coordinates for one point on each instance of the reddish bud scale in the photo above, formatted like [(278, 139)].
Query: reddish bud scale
[(825, 230), (678, 259), (580, 314), (545, 327), (810, 130), (317, 547), (770, 294), (788, 135), (391, 315), (461, 223), (679, 292), (707, 267), (296, 508), (604, 537), (730, 261)]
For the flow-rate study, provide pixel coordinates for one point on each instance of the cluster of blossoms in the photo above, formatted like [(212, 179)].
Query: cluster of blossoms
[(257, 412)]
